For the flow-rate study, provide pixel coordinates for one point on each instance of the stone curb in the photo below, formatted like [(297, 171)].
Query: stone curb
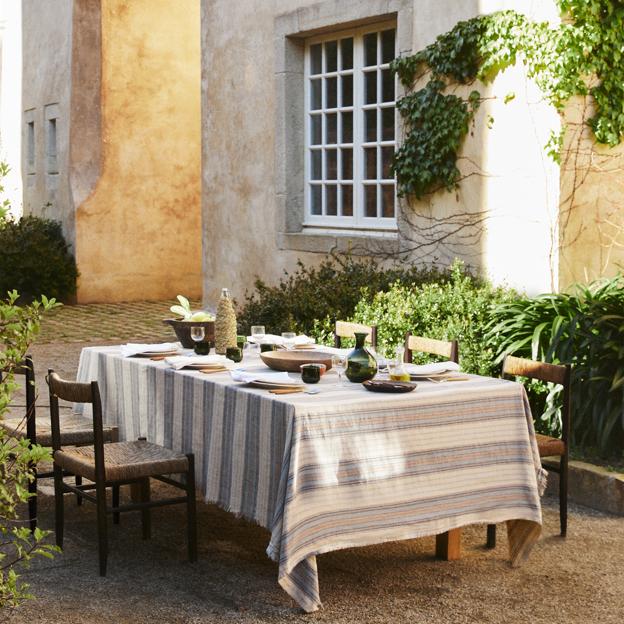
[(590, 485)]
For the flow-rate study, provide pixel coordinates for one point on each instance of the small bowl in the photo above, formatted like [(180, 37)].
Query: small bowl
[(312, 372)]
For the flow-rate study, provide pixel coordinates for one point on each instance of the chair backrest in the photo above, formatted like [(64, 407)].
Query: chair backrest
[(27, 369), (444, 348), (554, 373), (77, 392), (345, 329)]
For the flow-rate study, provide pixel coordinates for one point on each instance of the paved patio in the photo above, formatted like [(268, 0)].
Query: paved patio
[(576, 580)]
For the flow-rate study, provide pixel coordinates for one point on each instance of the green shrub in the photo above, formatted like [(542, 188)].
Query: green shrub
[(585, 329), (35, 259), (456, 309), (18, 327), (311, 298)]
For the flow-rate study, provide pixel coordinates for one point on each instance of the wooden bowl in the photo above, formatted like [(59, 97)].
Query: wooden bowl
[(290, 361), (183, 331)]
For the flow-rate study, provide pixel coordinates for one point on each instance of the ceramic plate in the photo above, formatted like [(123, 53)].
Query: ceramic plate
[(389, 386), (157, 353), (273, 385)]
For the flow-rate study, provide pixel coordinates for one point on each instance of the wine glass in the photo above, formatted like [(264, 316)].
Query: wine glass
[(197, 333), (289, 339), (258, 333), (339, 364)]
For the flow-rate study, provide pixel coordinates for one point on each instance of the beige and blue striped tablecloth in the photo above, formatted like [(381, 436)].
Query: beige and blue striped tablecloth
[(342, 468)]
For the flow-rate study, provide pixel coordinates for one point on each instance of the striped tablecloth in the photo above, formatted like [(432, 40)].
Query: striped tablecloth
[(341, 468)]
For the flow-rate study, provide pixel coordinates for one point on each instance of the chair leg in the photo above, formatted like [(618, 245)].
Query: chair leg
[(491, 536), (32, 501), (563, 494), (191, 510), (101, 524), (59, 509), (146, 519), (78, 483), (116, 504)]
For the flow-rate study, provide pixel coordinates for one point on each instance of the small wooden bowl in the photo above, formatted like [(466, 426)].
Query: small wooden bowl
[(290, 361)]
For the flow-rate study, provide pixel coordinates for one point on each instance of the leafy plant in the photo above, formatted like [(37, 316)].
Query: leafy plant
[(457, 309), (18, 327), (586, 329), (35, 259), (310, 299), (586, 47)]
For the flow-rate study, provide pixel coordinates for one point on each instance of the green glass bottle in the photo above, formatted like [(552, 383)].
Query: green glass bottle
[(361, 365)]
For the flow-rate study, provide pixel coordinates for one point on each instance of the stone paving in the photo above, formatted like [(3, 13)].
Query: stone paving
[(574, 581)]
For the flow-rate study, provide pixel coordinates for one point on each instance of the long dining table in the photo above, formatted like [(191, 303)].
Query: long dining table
[(341, 468)]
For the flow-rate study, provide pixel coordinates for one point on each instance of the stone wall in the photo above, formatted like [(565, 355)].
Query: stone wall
[(46, 89), (250, 71), (136, 161)]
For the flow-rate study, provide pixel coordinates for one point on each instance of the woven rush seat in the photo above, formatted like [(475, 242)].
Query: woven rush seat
[(75, 430), (549, 446), (123, 460)]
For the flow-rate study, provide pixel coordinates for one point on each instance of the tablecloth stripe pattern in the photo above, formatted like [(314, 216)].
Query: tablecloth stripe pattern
[(342, 468)]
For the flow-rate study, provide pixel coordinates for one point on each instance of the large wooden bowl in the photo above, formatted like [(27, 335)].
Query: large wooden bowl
[(290, 361), (183, 331)]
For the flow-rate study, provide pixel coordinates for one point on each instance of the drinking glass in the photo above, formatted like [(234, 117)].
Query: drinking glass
[(257, 333), (289, 339), (197, 333), (381, 355), (339, 364)]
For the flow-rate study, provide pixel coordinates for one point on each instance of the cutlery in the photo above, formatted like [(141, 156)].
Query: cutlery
[(294, 391)]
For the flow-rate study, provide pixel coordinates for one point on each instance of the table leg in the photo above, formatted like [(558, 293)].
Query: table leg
[(448, 545)]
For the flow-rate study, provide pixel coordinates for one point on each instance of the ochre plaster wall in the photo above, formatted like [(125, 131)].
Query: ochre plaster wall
[(138, 234), (592, 195)]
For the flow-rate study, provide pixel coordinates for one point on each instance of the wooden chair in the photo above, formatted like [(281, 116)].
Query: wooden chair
[(344, 329), (112, 465), (75, 430), (548, 446), (448, 349)]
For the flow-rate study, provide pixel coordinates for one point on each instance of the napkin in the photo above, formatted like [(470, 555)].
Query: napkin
[(180, 361), (133, 348), (333, 350), (242, 375), (278, 340), (437, 368)]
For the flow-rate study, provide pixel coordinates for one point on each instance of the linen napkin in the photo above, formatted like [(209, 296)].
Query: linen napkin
[(297, 341), (239, 374), (436, 368), (180, 361), (133, 348), (333, 350)]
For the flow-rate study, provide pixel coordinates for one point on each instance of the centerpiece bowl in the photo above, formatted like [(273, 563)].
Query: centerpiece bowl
[(183, 331), (290, 361)]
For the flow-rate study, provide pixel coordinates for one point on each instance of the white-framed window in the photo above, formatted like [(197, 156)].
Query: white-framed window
[(350, 129)]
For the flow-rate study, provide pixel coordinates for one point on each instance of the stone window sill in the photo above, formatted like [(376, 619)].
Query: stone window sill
[(319, 241)]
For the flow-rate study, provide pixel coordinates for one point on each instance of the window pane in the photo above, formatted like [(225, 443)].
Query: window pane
[(315, 129), (347, 90), (315, 161), (370, 87), (387, 86), (370, 125), (315, 199), (370, 200), (370, 163), (347, 127), (315, 94), (370, 49), (387, 124), (347, 164), (331, 97), (387, 46), (347, 53), (347, 201), (331, 128), (387, 201), (331, 201), (331, 164), (331, 52), (387, 153), (316, 66)]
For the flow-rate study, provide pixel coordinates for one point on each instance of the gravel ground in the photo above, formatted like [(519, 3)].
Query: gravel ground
[(577, 580)]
